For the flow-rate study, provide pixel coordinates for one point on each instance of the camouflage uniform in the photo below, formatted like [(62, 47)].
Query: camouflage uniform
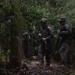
[(65, 43), (45, 46)]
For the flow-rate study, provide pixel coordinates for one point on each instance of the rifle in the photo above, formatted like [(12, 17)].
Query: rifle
[(43, 40)]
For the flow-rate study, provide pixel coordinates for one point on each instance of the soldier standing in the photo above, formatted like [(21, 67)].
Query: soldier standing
[(45, 35), (64, 37)]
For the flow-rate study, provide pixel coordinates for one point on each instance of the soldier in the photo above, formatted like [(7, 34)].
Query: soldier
[(25, 44), (45, 36), (64, 37)]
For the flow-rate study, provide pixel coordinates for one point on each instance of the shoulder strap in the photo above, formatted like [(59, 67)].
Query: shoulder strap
[(50, 30)]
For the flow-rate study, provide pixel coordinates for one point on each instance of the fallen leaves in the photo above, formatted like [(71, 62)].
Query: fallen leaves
[(26, 69)]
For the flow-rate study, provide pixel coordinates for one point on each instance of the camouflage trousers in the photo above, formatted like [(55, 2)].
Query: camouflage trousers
[(42, 52), (65, 54)]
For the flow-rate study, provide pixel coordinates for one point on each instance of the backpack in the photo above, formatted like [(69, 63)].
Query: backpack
[(73, 32), (50, 31), (65, 35)]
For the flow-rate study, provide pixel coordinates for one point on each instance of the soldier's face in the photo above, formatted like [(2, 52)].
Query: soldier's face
[(43, 24), (62, 22)]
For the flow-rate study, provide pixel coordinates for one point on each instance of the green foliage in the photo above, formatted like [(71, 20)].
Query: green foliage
[(2, 15), (7, 8)]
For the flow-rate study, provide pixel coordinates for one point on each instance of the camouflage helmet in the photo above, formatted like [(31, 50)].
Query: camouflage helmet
[(62, 19), (44, 20)]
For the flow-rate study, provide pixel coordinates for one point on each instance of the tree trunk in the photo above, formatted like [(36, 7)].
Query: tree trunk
[(14, 60), (20, 50)]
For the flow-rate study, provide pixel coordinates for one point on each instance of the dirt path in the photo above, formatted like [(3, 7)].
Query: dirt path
[(36, 69), (37, 63)]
